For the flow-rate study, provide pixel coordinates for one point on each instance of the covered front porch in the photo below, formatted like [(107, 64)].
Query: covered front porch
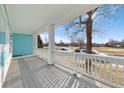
[(33, 67)]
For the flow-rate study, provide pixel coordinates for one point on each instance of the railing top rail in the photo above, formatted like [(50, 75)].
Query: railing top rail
[(116, 58)]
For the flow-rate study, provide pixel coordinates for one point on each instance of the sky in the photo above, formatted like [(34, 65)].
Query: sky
[(112, 29)]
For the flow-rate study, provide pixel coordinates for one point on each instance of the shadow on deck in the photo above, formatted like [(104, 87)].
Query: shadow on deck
[(33, 72)]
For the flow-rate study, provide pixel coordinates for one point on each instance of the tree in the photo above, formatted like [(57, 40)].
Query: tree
[(122, 42), (111, 43), (61, 43), (77, 41), (81, 42), (85, 23), (72, 41), (40, 42)]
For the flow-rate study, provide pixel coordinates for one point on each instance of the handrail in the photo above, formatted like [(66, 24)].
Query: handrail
[(95, 55)]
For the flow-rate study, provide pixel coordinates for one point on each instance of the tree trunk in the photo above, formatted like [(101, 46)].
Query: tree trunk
[(89, 38), (89, 33)]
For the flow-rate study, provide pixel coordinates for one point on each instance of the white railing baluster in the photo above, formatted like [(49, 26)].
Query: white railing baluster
[(77, 62), (95, 66), (74, 65), (72, 62), (91, 64), (116, 71), (123, 74), (85, 63), (100, 66), (88, 64), (81, 64), (111, 70), (104, 69)]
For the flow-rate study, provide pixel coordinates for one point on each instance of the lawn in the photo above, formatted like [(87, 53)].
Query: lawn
[(120, 73), (116, 51)]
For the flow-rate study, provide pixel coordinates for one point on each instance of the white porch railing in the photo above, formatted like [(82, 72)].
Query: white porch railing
[(106, 69)]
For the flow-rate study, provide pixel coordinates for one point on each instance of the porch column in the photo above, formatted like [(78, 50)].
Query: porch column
[(35, 42), (51, 44)]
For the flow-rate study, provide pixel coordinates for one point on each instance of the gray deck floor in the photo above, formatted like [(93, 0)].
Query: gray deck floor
[(33, 72)]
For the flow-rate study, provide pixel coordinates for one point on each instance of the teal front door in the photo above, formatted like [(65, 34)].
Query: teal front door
[(22, 44)]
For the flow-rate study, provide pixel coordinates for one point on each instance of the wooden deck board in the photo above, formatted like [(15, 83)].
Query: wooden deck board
[(33, 72)]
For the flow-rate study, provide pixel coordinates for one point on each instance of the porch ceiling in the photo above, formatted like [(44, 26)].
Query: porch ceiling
[(36, 18)]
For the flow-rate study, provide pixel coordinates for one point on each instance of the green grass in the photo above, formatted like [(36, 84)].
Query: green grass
[(100, 71), (109, 50)]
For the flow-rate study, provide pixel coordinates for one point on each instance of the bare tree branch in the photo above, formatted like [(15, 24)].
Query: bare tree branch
[(95, 9), (78, 31), (107, 12)]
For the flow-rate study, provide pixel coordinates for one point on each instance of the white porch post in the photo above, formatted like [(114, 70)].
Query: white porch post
[(35, 42), (51, 44)]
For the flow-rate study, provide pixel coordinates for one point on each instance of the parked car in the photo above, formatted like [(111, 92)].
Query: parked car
[(65, 50)]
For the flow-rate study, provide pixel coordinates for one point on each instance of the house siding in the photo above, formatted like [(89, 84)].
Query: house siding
[(2, 37)]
